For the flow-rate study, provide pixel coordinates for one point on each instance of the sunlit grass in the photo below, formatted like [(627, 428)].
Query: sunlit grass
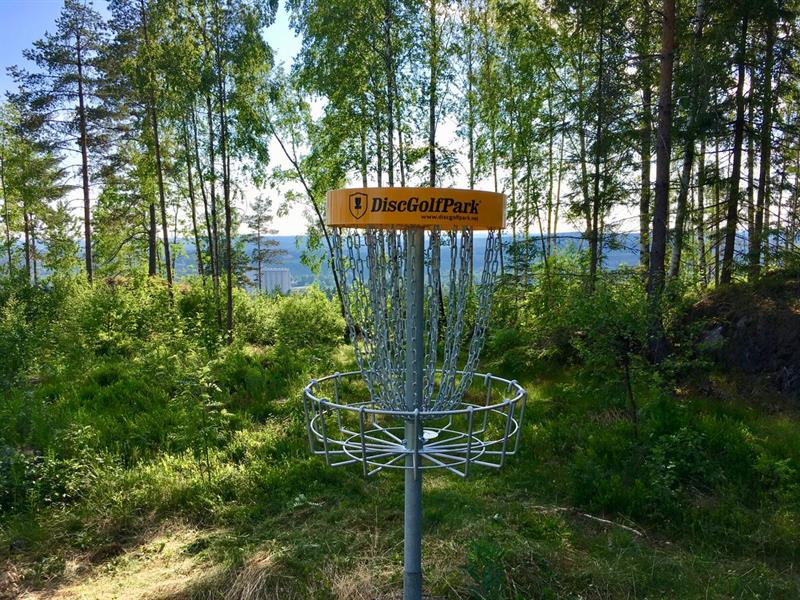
[(270, 521)]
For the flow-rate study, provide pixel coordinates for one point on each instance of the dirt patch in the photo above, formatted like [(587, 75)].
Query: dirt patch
[(161, 567)]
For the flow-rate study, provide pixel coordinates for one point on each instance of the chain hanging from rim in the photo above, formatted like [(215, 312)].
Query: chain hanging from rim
[(371, 267)]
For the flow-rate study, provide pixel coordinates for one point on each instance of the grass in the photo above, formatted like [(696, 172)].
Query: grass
[(140, 458), (269, 521)]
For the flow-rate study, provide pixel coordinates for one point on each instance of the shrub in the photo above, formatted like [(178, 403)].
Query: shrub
[(308, 324)]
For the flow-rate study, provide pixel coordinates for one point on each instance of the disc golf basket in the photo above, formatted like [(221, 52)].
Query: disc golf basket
[(404, 261)]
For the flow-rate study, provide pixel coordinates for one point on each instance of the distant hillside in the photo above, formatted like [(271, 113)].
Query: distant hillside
[(625, 252)]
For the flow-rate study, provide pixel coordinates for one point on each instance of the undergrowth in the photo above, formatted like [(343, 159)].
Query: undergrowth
[(125, 420)]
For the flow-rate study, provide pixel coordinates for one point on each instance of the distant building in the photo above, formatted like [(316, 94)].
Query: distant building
[(276, 280)]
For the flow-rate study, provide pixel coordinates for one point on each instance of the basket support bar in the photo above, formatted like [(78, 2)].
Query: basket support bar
[(415, 358)]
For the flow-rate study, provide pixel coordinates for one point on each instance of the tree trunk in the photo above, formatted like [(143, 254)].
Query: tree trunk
[(226, 175), (646, 141), (767, 252), (700, 216), (717, 214), (434, 58), (558, 186), (594, 242), (584, 171), (7, 214), (680, 213), (400, 147), (83, 142), (655, 283), (193, 204), (765, 157), (470, 118), (152, 249), (33, 248), (736, 171), (470, 98), (796, 200), (152, 109), (751, 205), (379, 150), (161, 196), (363, 136), (27, 225), (226, 187), (260, 259), (214, 219), (207, 217), (550, 174), (389, 60), (689, 145)]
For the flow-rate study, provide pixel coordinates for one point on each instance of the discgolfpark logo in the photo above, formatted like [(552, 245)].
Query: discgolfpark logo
[(358, 205), (440, 206), (415, 207)]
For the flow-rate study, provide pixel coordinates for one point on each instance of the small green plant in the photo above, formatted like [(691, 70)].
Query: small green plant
[(485, 568)]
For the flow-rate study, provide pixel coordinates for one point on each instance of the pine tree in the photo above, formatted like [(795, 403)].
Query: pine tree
[(265, 250), (60, 99)]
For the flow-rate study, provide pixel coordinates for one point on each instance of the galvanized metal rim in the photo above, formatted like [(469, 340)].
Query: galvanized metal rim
[(511, 384)]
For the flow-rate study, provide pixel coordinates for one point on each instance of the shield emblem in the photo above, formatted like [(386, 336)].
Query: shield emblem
[(358, 205)]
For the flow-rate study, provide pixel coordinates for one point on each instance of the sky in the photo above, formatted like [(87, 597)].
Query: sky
[(24, 21)]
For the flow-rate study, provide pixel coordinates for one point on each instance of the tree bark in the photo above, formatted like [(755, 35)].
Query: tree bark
[(389, 62), (594, 242), (206, 215), (379, 150), (680, 213), (432, 100), (27, 225), (550, 175), (153, 110), (750, 130), (152, 249), (646, 148), (700, 216), (33, 248), (554, 249), (7, 215), (736, 171), (717, 214), (765, 157), (655, 283), (470, 98), (689, 144), (216, 270), (83, 142), (363, 140), (192, 203), (260, 258), (226, 188)]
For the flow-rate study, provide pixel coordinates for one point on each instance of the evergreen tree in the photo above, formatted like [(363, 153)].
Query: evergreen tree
[(59, 101)]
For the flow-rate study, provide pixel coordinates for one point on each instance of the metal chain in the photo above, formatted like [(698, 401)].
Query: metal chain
[(371, 271)]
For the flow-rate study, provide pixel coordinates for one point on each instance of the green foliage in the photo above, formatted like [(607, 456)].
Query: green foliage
[(117, 374), (129, 411), (485, 568)]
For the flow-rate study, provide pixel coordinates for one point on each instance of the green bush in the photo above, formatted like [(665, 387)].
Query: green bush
[(308, 324), (120, 373)]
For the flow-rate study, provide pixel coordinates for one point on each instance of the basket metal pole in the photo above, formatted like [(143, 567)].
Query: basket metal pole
[(415, 357)]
